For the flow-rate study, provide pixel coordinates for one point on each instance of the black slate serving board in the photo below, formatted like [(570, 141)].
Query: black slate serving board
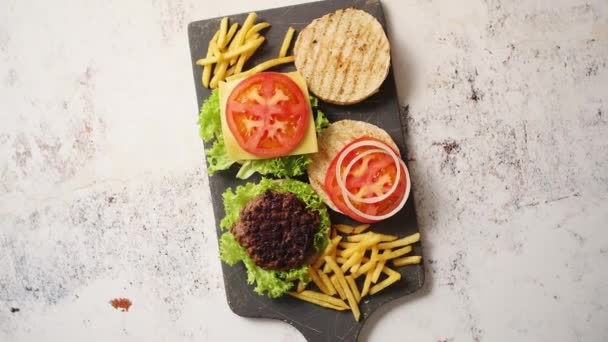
[(382, 109)]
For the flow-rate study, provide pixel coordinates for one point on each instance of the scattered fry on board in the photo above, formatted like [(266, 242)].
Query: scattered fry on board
[(231, 47), (351, 267)]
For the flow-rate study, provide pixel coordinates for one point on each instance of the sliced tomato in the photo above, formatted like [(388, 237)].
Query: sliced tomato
[(371, 176), (267, 114)]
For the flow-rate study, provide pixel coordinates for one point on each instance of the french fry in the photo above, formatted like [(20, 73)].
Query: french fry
[(387, 255), (253, 37), (326, 298), (408, 240), (248, 47), (390, 272), (206, 77), (286, 42), (343, 228), (358, 237), (314, 276), (377, 271), (262, 66), (332, 233), (230, 70), (363, 269), (336, 269), (328, 250), (347, 245), (340, 260), (362, 246), (247, 25), (338, 286), (370, 264), (242, 32), (367, 283), (375, 253), (365, 236), (218, 56), (360, 228), (220, 71), (304, 296), (340, 253), (353, 259), (256, 28), (221, 40), (356, 266), (328, 283), (235, 45), (353, 288), (392, 277), (241, 35), (408, 260), (342, 281), (241, 63), (301, 286), (230, 34)]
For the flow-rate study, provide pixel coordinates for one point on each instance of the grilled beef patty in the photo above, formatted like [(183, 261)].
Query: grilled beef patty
[(277, 230)]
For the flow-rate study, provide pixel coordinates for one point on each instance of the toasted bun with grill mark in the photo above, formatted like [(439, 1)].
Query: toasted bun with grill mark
[(344, 56), (331, 141)]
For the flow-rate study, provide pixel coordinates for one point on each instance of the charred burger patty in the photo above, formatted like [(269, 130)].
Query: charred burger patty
[(277, 230)]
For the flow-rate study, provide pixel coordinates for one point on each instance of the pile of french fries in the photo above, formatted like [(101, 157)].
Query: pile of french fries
[(230, 48), (351, 254)]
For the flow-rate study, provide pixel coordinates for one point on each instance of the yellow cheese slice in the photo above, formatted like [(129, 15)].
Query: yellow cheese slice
[(236, 152)]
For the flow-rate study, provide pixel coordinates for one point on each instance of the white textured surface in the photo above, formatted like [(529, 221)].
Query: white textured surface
[(103, 191)]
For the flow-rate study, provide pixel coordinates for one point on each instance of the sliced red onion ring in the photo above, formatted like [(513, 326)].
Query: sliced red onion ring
[(354, 146), (347, 194), (375, 199), (392, 212)]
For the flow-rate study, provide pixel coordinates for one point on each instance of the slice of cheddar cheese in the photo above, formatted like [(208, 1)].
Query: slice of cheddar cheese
[(236, 152)]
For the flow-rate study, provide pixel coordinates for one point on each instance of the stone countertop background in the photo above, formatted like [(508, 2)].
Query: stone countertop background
[(103, 189)]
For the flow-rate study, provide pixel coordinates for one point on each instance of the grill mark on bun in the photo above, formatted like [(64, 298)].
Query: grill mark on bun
[(320, 69), (348, 62), (346, 73), (359, 45), (332, 48), (369, 62)]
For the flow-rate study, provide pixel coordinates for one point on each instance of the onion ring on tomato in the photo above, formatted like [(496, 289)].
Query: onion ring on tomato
[(347, 195), (392, 212), (374, 199), (356, 145)]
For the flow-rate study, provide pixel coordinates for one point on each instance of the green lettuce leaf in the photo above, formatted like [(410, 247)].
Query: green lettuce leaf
[(283, 167), (321, 122), (217, 157), (230, 250), (272, 283), (209, 122), (314, 102), (210, 127)]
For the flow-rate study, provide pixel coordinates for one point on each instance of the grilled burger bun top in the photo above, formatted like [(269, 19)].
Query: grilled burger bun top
[(344, 56), (331, 141)]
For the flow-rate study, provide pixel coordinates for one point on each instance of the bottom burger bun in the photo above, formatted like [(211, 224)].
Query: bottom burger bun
[(331, 141)]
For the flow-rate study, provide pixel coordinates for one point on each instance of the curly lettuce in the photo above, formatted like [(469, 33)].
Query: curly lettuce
[(209, 122), (269, 282), (321, 121), (210, 127)]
